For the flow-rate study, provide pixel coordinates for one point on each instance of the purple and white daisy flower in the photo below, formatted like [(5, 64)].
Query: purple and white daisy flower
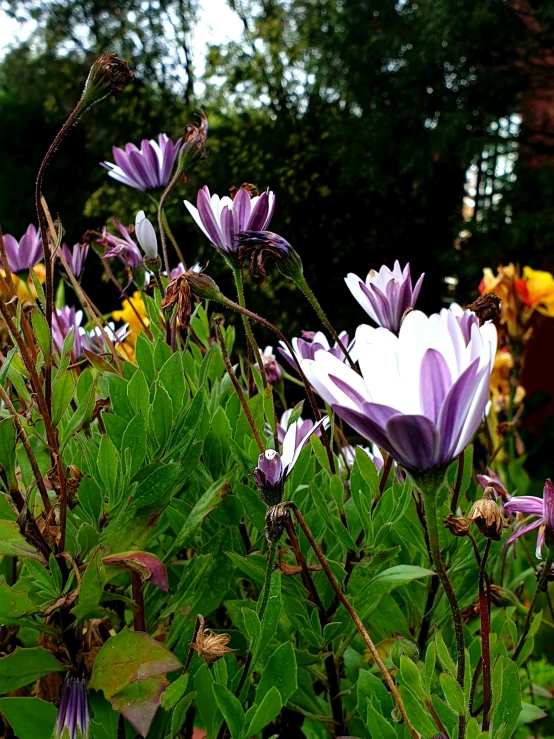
[(63, 321), (272, 369), (23, 254), (146, 168), (491, 480), (123, 248), (420, 395), (385, 295), (543, 509), (274, 468), (222, 219), (76, 258), (73, 721), (313, 341)]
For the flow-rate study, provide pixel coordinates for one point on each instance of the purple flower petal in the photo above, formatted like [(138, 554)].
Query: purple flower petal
[(435, 381), (416, 442), (525, 504)]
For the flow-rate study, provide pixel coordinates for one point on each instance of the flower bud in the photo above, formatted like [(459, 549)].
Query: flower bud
[(210, 646), (193, 148), (403, 647), (486, 515), (73, 720), (203, 286), (269, 477), (275, 521), (108, 76), (146, 236), (258, 246), (456, 526)]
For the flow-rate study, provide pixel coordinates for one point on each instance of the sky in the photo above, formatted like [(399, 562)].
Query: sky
[(217, 23)]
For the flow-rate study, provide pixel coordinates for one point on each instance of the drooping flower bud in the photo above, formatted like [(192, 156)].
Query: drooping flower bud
[(108, 76), (73, 720), (403, 647), (456, 526), (203, 286), (193, 148), (210, 646), (269, 477), (486, 515)]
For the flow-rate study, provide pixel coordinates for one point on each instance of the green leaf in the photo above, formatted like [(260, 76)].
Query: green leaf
[(134, 438), (24, 666), (529, 713), (7, 450), (252, 625), (410, 676), (446, 661), (127, 657), (231, 709), (14, 604), (30, 718), (107, 464), (161, 417), (92, 587), (205, 700), (62, 393), (6, 364), (280, 672), (144, 356), (41, 331), (175, 692), (172, 378), (138, 393), (139, 701), (394, 577), (270, 617), (153, 490), (430, 661), (105, 719), (266, 712), (14, 544), (508, 706), (417, 713), (178, 717), (452, 693)]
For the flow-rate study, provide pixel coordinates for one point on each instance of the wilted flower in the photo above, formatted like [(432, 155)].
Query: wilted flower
[(543, 508), (210, 646), (386, 295), (258, 246), (486, 307), (486, 515), (421, 394), (108, 76), (181, 288), (26, 253), (193, 149), (146, 236), (273, 468), (221, 219), (76, 258), (73, 720), (536, 290), (272, 369), (146, 168), (311, 342), (124, 248), (456, 526), (491, 480), (503, 284)]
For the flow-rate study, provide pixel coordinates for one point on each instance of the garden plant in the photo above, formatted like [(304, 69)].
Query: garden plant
[(329, 537)]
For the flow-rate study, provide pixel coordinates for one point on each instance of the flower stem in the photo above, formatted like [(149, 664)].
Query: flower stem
[(139, 623), (308, 292), (247, 328), (540, 584), (173, 240), (162, 223), (429, 494), (485, 637), (354, 616)]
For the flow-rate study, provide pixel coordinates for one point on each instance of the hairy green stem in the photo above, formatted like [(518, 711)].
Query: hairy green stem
[(246, 323), (540, 584)]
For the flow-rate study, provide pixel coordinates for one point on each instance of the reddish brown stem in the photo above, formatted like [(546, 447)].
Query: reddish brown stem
[(485, 638), (139, 623)]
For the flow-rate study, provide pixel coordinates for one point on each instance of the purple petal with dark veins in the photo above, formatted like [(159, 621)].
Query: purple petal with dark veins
[(228, 229), (415, 440), (526, 504), (258, 220), (348, 390), (241, 206), (365, 426), (435, 381), (455, 408), (208, 218)]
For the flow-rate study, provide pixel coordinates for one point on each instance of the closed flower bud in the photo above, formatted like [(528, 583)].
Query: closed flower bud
[(210, 646), (486, 515), (258, 246), (193, 148), (456, 526), (203, 286), (403, 647), (108, 76), (146, 236), (275, 521)]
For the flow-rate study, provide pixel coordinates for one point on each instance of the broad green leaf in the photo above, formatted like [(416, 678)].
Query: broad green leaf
[(446, 661), (107, 465), (231, 709), (529, 713), (138, 393), (266, 712), (62, 393), (14, 544), (144, 356), (24, 666), (417, 713), (127, 657), (161, 417), (134, 438), (206, 702), (270, 618), (30, 718), (179, 713), (105, 719), (280, 672), (92, 587), (7, 450), (42, 332), (394, 577), (452, 693), (252, 625), (139, 701), (508, 707), (14, 604), (153, 490), (172, 378), (410, 677)]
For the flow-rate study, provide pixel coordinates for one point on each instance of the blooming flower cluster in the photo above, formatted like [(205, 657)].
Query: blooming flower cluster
[(68, 318)]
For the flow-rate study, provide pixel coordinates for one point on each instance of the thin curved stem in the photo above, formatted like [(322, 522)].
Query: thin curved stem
[(485, 637), (173, 240), (429, 495), (540, 584), (161, 224), (354, 616), (237, 274)]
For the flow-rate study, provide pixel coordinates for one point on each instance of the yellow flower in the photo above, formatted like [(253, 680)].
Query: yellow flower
[(536, 290), (500, 382), (25, 290), (134, 313), (504, 285)]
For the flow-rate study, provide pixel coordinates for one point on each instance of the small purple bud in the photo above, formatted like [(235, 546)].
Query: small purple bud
[(73, 720), (269, 477)]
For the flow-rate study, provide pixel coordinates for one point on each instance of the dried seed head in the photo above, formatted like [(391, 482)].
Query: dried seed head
[(403, 646), (210, 646), (193, 149), (456, 526), (486, 307), (108, 76), (252, 190), (486, 515), (275, 521)]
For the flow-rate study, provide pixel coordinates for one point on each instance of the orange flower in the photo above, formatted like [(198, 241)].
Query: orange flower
[(536, 290), (504, 285)]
